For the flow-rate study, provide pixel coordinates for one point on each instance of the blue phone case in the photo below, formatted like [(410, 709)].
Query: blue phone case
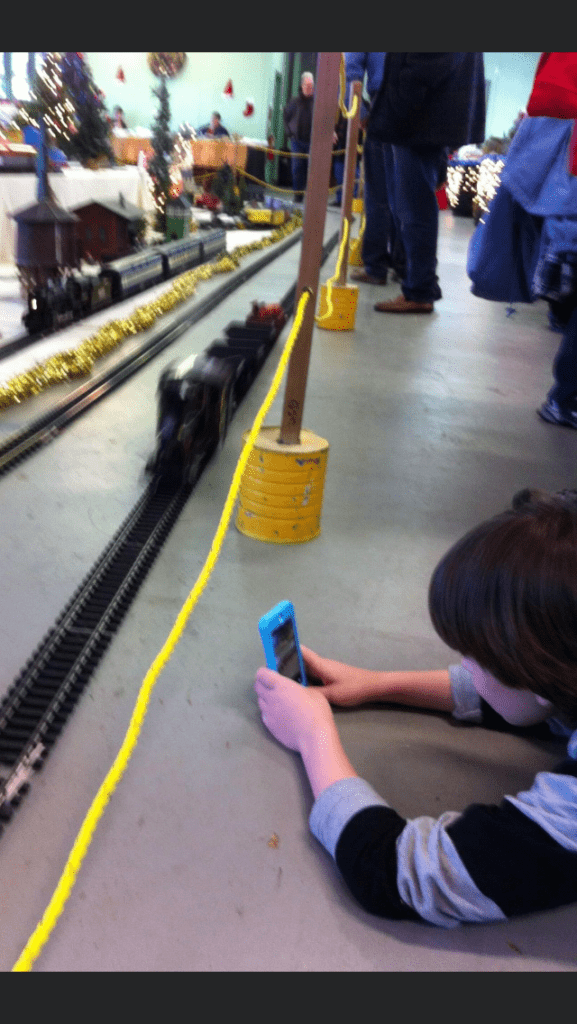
[(278, 631)]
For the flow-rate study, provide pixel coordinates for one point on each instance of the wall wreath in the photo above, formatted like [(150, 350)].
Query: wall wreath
[(166, 64)]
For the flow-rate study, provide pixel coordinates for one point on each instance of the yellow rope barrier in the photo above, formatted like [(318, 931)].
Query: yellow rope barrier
[(342, 79), (330, 282), (277, 188), (43, 930)]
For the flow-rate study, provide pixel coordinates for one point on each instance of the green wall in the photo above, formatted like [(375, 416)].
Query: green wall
[(196, 92)]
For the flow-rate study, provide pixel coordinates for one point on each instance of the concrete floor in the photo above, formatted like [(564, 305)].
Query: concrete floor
[(432, 427)]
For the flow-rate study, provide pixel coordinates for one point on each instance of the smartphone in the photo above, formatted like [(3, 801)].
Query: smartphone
[(278, 631)]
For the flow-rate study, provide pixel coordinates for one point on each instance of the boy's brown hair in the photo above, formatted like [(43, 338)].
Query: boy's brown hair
[(506, 596)]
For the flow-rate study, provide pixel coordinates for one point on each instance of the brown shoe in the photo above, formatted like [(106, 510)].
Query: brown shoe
[(361, 275), (403, 305)]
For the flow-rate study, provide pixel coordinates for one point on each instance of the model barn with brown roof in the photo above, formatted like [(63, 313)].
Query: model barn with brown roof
[(108, 228)]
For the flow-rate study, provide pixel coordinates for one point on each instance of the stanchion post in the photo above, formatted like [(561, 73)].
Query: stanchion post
[(349, 177), (324, 110)]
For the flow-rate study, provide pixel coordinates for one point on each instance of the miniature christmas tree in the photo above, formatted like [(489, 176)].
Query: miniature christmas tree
[(50, 99), (91, 140), (230, 194), (159, 165)]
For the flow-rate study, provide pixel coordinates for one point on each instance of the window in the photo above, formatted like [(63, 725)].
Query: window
[(17, 72)]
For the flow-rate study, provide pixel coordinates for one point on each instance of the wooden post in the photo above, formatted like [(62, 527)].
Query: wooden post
[(349, 177), (324, 110)]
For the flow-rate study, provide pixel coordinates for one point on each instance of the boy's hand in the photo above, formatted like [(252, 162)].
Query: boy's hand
[(342, 684), (290, 711)]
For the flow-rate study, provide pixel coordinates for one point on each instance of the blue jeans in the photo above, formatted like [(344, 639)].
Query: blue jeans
[(397, 257), (379, 224), (417, 172), (299, 165), (564, 391), (339, 176)]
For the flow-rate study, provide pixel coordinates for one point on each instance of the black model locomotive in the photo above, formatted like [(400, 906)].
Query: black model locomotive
[(198, 396), (62, 300)]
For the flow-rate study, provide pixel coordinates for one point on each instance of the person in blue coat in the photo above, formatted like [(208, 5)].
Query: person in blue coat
[(525, 247), (382, 248), (427, 105)]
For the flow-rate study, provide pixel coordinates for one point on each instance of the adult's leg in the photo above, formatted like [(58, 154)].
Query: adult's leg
[(375, 248), (564, 390), (416, 177), (299, 168), (396, 248), (339, 173)]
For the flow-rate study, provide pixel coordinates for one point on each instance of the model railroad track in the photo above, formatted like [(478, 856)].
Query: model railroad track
[(44, 694), (37, 705), (41, 431)]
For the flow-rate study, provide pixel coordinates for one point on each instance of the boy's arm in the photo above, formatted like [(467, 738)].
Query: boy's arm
[(487, 863), (347, 686)]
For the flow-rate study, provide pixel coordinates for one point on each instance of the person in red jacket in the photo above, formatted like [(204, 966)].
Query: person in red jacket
[(554, 94)]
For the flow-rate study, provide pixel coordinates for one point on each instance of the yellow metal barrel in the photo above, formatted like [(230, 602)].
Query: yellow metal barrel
[(344, 299), (281, 493)]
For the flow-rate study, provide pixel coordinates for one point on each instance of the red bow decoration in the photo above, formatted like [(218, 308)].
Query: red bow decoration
[(249, 108), (120, 75), (554, 94), (228, 89)]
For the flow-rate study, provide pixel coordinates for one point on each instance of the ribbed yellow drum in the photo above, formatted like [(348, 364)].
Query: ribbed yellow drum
[(281, 493), (344, 299)]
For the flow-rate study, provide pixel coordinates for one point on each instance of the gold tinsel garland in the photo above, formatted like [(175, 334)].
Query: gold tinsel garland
[(78, 362)]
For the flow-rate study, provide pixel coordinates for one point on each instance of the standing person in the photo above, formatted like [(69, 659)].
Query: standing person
[(505, 597), (298, 120), (427, 105), (382, 247)]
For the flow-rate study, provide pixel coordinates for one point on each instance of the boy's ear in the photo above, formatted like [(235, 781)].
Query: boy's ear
[(529, 496), (532, 496)]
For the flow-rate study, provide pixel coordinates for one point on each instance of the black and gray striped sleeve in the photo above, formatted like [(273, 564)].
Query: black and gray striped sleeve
[(487, 863)]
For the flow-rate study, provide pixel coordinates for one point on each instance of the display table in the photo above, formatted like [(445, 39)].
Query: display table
[(210, 154), (126, 150), (213, 153), (71, 187)]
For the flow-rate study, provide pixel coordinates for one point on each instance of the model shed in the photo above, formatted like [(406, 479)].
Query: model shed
[(108, 229)]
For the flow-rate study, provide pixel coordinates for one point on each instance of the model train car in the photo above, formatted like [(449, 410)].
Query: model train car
[(75, 296), (198, 397)]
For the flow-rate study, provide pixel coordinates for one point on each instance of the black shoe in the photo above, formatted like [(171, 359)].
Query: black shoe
[(563, 416)]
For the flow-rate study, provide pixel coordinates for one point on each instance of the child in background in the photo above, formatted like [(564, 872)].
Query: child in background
[(505, 597)]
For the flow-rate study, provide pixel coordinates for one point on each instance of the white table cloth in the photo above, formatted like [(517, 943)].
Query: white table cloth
[(72, 186)]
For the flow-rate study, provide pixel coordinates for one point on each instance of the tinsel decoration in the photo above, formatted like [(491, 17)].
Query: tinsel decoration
[(249, 108), (120, 75), (78, 362)]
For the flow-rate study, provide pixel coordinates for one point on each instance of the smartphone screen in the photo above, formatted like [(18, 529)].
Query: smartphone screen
[(285, 650)]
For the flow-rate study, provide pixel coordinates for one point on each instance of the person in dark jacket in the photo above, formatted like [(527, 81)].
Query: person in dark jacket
[(215, 128), (428, 104), (298, 120)]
